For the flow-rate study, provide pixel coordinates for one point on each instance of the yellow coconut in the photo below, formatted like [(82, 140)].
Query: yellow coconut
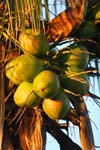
[(57, 107), (27, 67), (46, 84), (34, 43), (24, 95), (10, 72)]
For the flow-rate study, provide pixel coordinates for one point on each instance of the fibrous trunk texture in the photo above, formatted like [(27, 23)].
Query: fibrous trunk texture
[(86, 134), (31, 132), (2, 92)]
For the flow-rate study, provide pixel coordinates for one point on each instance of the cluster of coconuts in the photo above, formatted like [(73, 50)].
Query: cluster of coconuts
[(36, 85), (75, 60), (77, 56)]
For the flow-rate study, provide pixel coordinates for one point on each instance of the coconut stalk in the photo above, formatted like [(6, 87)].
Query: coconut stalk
[(31, 131), (85, 129), (2, 92)]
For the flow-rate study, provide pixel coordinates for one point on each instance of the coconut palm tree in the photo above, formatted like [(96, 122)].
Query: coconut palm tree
[(66, 41)]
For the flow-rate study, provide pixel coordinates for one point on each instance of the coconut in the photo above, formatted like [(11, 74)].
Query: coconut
[(46, 84), (34, 43), (75, 83), (88, 30), (27, 67), (78, 57), (10, 72), (24, 95), (57, 107)]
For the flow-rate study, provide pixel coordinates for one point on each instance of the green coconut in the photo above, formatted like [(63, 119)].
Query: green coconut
[(57, 107), (46, 84), (34, 43), (75, 83), (10, 72), (24, 95), (88, 30), (78, 57), (27, 67)]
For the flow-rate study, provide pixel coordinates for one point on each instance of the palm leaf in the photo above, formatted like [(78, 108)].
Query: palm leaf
[(63, 24)]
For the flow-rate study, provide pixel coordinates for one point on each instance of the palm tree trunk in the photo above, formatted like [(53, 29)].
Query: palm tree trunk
[(2, 92), (86, 134), (31, 132)]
